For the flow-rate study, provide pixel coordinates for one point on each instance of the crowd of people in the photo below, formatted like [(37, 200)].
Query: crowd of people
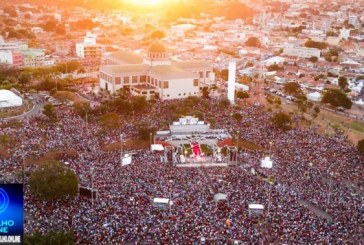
[(323, 170)]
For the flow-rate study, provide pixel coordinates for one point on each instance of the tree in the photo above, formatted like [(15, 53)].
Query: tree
[(282, 121), (10, 10), (24, 78), (292, 88), (336, 98), (253, 42), (144, 131), (48, 110), (275, 67), (50, 25), (52, 180), (81, 108), (158, 34), (139, 103), (110, 120), (314, 44), (343, 82), (205, 92), (237, 116), (53, 237), (313, 59), (242, 95), (361, 146)]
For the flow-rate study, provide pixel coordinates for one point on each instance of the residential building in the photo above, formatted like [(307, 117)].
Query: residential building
[(301, 52), (89, 48)]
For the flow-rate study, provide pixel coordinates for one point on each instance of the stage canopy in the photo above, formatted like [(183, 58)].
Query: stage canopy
[(9, 99), (220, 197)]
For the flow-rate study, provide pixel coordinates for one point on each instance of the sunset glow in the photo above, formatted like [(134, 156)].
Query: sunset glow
[(147, 2)]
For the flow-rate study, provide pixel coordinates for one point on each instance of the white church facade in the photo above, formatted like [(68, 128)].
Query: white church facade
[(154, 76)]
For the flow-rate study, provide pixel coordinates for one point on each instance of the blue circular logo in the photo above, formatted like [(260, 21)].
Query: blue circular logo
[(4, 200)]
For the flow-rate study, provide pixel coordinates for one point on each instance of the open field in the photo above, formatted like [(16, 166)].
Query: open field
[(329, 121), (67, 95), (55, 154)]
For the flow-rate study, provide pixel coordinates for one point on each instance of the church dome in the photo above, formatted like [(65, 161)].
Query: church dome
[(157, 47)]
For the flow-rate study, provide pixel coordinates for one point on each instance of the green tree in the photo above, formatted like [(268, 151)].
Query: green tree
[(242, 95), (144, 131), (52, 180), (237, 116), (82, 108), (275, 67), (139, 103), (361, 146), (336, 98), (51, 238), (313, 59), (49, 111), (24, 78), (205, 92), (343, 82), (314, 44), (282, 121), (253, 42), (292, 88), (224, 103), (110, 120)]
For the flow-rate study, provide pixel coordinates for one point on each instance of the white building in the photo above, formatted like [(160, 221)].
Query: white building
[(344, 33), (155, 75), (89, 48), (181, 29), (9, 99), (302, 52), (33, 57), (6, 57)]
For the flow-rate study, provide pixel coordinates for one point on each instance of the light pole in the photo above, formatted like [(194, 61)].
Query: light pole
[(330, 183), (170, 196), (269, 198), (23, 165), (121, 148), (92, 187), (151, 138), (237, 139), (270, 148)]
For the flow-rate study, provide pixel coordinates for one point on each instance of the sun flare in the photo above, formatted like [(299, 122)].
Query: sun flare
[(147, 2)]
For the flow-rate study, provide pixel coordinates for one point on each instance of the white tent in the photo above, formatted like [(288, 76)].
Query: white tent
[(126, 160), (315, 96), (266, 162), (9, 99), (156, 147), (220, 197), (255, 209)]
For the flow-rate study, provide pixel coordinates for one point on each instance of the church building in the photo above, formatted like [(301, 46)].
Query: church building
[(155, 76)]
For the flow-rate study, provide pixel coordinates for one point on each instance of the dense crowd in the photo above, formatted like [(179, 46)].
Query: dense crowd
[(323, 170)]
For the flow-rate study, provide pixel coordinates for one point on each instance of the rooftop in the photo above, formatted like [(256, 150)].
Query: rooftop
[(171, 72), (123, 56), (112, 69), (157, 47)]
